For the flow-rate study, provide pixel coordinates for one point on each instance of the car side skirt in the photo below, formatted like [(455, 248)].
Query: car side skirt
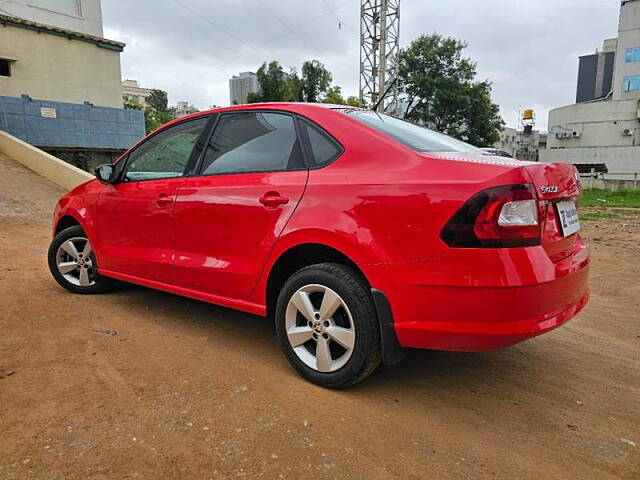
[(233, 303)]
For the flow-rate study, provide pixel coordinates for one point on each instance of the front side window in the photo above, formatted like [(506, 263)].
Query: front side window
[(166, 154), (410, 134), (631, 83), (68, 7), (253, 142), (632, 55)]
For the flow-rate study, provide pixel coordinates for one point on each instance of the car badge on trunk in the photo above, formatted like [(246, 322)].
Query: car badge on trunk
[(550, 189)]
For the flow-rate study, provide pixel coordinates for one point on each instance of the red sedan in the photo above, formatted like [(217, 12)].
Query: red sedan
[(357, 232)]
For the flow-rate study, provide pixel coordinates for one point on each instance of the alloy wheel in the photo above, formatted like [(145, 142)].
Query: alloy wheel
[(320, 328), (74, 262)]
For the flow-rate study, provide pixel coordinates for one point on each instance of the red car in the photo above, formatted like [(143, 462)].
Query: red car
[(357, 232)]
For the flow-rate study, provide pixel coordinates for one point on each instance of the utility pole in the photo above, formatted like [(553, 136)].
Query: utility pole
[(379, 48)]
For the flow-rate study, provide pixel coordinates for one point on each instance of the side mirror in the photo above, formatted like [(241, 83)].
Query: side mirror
[(104, 173)]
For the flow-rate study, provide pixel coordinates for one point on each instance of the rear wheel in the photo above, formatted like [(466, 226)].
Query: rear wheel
[(327, 325), (72, 263)]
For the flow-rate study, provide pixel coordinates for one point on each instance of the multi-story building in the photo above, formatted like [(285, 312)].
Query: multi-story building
[(520, 145), (241, 85), (183, 109), (60, 81), (602, 130), (133, 92), (82, 16)]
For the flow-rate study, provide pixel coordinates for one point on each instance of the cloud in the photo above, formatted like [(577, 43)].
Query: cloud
[(527, 49)]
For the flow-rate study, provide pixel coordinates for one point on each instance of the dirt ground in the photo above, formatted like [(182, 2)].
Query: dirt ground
[(142, 384)]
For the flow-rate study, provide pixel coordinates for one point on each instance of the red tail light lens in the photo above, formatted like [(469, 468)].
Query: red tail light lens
[(500, 217)]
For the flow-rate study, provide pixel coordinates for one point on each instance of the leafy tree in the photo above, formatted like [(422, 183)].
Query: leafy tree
[(483, 120), (152, 118), (354, 101), (272, 81), (293, 87), (441, 91), (334, 95), (158, 101), (316, 80)]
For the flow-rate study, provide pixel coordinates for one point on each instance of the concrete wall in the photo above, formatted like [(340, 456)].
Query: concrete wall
[(79, 126), (599, 124), (53, 169), (56, 68), (617, 159), (85, 18)]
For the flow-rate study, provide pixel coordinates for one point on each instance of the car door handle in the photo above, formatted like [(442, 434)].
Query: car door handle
[(163, 200), (273, 199)]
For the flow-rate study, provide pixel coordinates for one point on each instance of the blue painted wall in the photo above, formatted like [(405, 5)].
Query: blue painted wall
[(75, 125)]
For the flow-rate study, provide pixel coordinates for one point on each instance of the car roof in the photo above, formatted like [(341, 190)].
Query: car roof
[(293, 107)]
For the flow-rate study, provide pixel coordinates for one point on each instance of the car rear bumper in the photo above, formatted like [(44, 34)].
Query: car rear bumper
[(482, 312)]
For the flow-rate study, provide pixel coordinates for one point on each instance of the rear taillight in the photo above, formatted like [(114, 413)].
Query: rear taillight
[(500, 217)]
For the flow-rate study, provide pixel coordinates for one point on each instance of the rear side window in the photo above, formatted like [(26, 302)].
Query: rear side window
[(412, 135), (253, 142), (324, 149)]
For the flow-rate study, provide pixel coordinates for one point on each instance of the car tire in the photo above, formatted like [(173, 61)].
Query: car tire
[(327, 325), (72, 263)]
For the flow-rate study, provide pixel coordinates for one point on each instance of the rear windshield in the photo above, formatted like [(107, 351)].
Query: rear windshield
[(412, 135)]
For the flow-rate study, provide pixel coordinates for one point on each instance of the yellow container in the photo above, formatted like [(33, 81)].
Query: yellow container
[(527, 114)]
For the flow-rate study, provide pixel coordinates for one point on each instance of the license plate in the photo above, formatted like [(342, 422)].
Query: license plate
[(568, 215)]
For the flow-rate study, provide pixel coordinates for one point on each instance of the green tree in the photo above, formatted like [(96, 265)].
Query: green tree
[(441, 91), (316, 80), (272, 81), (354, 101), (152, 118), (293, 87), (158, 101), (334, 95)]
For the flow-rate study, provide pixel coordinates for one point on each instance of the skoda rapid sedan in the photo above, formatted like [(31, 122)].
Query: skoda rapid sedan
[(357, 233)]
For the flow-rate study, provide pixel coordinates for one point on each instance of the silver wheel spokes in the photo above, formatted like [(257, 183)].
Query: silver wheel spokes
[(320, 328), (74, 262)]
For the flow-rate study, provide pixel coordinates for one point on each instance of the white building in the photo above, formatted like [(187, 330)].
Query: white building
[(133, 92), (241, 85), (183, 109), (83, 16), (521, 146), (603, 131)]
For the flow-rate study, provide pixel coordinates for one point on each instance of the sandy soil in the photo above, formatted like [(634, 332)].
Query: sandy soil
[(142, 384)]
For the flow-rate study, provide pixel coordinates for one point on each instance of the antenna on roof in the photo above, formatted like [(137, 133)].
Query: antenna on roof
[(381, 99)]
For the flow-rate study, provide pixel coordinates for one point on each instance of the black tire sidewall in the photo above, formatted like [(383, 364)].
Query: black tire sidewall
[(348, 284)]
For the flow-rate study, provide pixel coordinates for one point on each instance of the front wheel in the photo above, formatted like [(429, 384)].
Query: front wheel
[(327, 325), (73, 263)]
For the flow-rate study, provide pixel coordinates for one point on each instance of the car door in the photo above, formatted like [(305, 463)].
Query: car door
[(229, 217), (135, 215)]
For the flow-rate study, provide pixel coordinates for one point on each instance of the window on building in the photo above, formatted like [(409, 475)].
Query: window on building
[(5, 68), (631, 83), (633, 55), (68, 7)]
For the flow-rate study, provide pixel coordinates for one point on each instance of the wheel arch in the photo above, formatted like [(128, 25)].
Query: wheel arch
[(64, 222), (300, 256)]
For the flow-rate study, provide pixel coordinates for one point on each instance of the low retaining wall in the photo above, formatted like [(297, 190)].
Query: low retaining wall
[(53, 169)]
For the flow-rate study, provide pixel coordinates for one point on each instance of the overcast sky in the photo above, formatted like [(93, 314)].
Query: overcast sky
[(528, 48)]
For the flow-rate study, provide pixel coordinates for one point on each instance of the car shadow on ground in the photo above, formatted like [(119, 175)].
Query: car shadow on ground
[(251, 335)]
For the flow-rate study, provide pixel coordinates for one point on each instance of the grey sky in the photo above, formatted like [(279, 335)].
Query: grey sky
[(527, 48)]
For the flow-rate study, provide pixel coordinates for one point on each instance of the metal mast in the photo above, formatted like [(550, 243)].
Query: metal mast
[(379, 48)]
